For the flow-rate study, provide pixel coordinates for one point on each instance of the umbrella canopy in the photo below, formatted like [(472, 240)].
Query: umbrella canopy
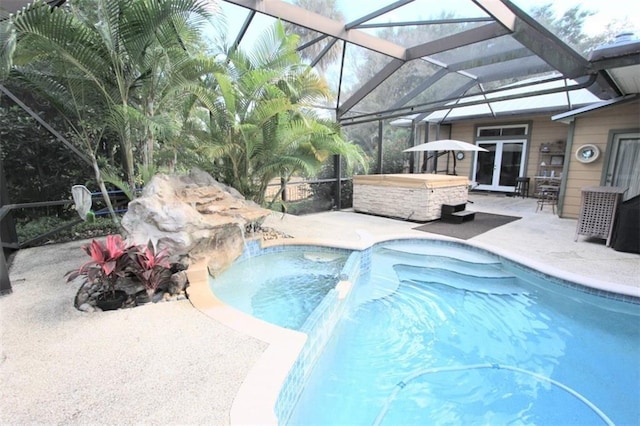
[(448, 145), (445, 145)]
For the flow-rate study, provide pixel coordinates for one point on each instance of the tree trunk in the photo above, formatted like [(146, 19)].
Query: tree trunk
[(148, 151), (127, 150), (103, 189), (150, 139)]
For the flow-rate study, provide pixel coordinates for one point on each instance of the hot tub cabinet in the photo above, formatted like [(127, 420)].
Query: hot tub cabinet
[(416, 197)]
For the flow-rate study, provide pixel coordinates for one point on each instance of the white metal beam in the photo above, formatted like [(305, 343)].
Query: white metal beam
[(316, 22)]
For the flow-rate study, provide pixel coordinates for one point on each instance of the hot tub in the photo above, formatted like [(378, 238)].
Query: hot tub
[(416, 197)]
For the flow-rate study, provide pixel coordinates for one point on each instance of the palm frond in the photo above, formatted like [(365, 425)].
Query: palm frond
[(111, 176), (7, 44)]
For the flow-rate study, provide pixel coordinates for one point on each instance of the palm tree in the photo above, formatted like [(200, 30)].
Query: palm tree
[(256, 121), (109, 69)]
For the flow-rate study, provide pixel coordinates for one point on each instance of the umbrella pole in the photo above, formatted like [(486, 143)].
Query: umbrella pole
[(454, 163)]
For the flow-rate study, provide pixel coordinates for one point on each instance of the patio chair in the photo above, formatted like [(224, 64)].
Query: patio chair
[(522, 187), (548, 195)]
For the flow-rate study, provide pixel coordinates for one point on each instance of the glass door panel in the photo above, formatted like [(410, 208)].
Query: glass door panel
[(510, 165), (498, 169), (485, 164), (624, 164)]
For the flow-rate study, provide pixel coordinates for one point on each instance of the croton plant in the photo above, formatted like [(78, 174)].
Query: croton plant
[(113, 258)]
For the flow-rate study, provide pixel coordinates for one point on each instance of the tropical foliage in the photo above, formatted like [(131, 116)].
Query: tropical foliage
[(109, 69), (150, 266), (112, 259), (137, 92), (24, 146), (255, 118), (109, 261)]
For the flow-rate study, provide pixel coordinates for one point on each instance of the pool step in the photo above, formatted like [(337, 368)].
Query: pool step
[(500, 283), (448, 264), (469, 266), (419, 251)]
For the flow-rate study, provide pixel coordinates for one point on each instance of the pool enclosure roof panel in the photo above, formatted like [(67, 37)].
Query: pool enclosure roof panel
[(399, 58), (386, 59), (537, 98), (541, 96)]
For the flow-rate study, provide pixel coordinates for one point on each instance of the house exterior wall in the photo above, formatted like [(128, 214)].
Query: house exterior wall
[(542, 131), (595, 128), (464, 131)]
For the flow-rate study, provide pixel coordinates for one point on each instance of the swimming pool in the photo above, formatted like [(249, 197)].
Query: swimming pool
[(281, 287), (443, 334)]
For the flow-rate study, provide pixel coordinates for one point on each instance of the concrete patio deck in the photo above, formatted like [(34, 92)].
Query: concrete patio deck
[(170, 364), (540, 237)]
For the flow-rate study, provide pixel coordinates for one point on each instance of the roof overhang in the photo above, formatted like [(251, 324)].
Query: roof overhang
[(541, 98), (569, 116)]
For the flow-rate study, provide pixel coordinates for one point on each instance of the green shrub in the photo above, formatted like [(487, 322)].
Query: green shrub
[(28, 230)]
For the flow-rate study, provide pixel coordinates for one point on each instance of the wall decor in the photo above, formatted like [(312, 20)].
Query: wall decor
[(557, 160), (587, 153)]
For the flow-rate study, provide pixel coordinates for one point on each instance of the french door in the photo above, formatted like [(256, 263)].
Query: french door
[(623, 169), (498, 169)]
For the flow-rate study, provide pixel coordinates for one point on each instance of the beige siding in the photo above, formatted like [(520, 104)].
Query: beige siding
[(590, 128), (463, 132), (594, 128), (542, 130)]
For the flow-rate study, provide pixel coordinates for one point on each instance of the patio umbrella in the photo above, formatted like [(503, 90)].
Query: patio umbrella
[(446, 145)]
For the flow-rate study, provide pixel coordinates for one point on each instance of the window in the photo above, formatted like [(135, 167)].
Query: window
[(510, 130), (489, 132)]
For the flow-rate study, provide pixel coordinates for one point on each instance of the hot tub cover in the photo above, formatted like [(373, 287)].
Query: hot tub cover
[(428, 181)]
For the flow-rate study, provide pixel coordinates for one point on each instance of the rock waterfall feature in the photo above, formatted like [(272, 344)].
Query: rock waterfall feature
[(194, 216)]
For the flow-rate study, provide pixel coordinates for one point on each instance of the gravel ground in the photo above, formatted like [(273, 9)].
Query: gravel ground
[(163, 363)]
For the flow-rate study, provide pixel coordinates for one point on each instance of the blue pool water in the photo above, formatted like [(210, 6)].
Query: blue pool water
[(439, 334), (283, 287)]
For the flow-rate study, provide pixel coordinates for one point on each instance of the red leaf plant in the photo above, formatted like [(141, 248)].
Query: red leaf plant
[(151, 267), (108, 262)]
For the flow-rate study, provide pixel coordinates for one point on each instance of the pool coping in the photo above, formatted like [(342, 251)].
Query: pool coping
[(256, 400), (258, 393)]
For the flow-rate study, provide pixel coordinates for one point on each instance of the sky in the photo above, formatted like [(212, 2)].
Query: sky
[(606, 11)]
